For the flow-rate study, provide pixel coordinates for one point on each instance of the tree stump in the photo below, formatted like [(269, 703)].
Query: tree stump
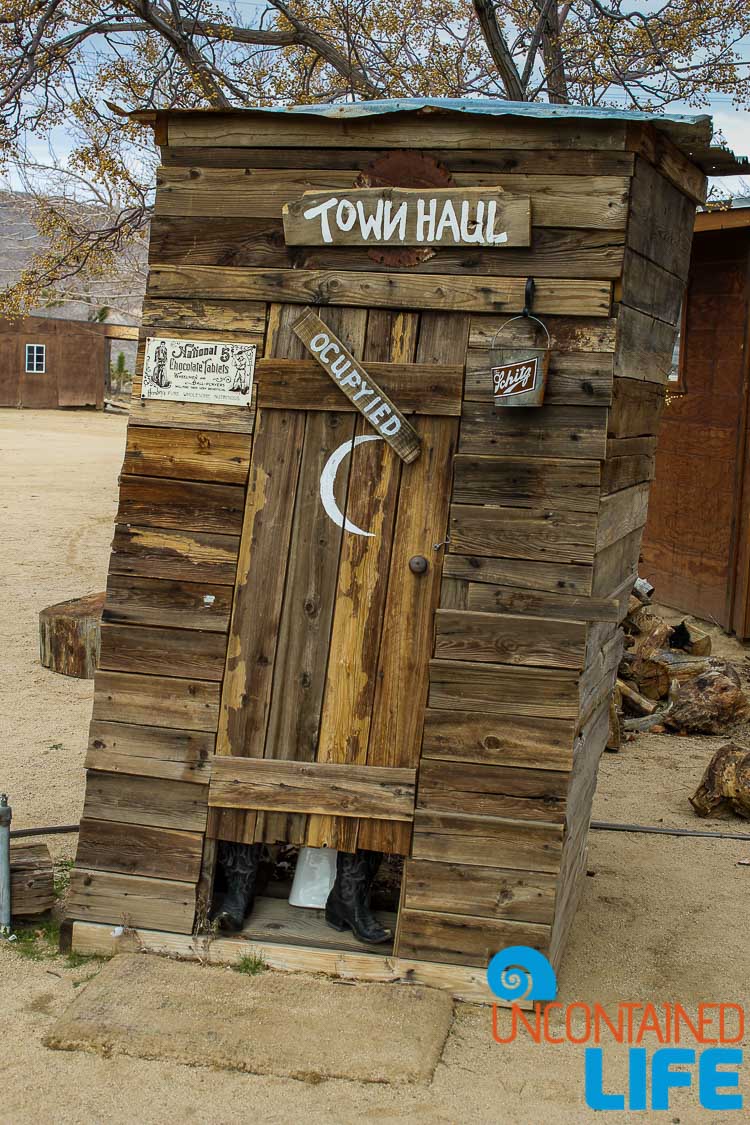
[(725, 786), (707, 703), (31, 879), (69, 636)]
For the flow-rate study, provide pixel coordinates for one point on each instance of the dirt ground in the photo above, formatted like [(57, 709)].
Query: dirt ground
[(662, 918)]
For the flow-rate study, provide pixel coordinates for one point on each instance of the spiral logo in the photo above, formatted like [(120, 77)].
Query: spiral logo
[(520, 973)]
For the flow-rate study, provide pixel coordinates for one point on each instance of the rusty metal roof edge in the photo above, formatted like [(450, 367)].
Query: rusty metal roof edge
[(690, 132)]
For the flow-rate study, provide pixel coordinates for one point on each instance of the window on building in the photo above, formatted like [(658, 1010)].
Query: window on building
[(35, 359)]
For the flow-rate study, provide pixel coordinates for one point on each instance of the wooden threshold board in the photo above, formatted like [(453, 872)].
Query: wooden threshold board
[(273, 919), (368, 963)]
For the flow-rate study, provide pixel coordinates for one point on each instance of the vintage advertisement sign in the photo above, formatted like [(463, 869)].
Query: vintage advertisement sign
[(198, 371), (515, 378), (522, 381), (389, 216), (359, 387)]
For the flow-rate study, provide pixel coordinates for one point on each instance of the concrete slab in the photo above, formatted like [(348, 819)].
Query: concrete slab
[(291, 1026)]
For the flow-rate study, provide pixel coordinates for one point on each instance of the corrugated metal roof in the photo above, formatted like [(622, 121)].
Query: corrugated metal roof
[(690, 132), (495, 107)]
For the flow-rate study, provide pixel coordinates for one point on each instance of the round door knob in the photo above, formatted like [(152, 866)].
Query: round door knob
[(418, 564)]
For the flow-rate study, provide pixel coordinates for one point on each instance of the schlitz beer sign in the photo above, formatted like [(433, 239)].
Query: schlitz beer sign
[(522, 381), (198, 371), (390, 216), (515, 378)]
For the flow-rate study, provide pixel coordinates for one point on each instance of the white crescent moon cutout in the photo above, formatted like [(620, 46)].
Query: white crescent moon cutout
[(328, 480)]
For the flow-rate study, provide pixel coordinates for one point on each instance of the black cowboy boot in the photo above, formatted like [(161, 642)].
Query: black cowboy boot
[(348, 905), (239, 866)]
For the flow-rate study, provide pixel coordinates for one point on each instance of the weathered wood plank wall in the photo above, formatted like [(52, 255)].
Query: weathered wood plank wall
[(546, 512)]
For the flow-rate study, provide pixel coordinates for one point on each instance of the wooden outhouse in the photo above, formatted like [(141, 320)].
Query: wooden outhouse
[(49, 362), (407, 644), (696, 545)]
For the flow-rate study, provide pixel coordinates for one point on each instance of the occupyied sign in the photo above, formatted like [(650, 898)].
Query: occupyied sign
[(359, 387), (198, 371)]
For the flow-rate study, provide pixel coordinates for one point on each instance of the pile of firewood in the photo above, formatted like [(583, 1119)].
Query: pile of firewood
[(668, 680)]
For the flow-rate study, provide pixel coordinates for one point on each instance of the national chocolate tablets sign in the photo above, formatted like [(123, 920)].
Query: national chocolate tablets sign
[(198, 371), (389, 216)]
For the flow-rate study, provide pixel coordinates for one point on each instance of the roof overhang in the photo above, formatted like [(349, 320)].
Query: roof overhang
[(733, 218), (691, 133)]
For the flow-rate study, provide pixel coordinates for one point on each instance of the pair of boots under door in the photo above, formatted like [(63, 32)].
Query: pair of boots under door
[(348, 905)]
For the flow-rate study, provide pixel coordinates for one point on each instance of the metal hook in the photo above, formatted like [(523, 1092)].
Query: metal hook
[(528, 296)]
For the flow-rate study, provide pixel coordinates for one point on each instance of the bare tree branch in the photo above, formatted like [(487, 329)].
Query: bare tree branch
[(327, 51), (499, 49)]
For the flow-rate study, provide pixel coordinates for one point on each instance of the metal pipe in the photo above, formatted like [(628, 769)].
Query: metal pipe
[(657, 830), (53, 830), (6, 814)]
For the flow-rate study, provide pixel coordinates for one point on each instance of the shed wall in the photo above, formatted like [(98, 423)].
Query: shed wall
[(76, 359), (693, 549)]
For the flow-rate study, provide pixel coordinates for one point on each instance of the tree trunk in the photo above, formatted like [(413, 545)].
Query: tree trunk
[(69, 636)]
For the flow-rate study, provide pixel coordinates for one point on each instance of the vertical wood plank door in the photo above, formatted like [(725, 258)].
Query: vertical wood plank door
[(332, 630)]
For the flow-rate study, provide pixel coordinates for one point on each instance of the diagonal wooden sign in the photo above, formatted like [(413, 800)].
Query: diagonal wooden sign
[(359, 387)]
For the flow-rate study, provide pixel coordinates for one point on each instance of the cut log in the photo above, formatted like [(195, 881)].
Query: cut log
[(691, 640), (725, 786), (31, 879), (708, 702), (654, 634), (649, 677), (652, 670), (614, 735), (636, 703), (683, 668), (69, 636), (634, 607)]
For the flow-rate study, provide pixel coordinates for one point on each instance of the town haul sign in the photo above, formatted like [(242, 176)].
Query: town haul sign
[(389, 216)]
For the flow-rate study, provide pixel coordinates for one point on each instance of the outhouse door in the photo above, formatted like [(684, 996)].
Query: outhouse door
[(327, 666)]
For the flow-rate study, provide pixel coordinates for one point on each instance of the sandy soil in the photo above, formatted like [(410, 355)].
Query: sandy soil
[(58, 497), (662, 919)]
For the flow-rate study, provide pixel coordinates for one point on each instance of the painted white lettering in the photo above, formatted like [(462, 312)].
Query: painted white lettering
[(426, 214), (322, 210), (507, 379), (370, 224), (346, 215), (331, 346), (467, 235), (370, 405), (448, 219), (352, 380), (490, 237), (381, 412), (340, 366), (393, 222), (391, 427), (319, 342), (363, 392)]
